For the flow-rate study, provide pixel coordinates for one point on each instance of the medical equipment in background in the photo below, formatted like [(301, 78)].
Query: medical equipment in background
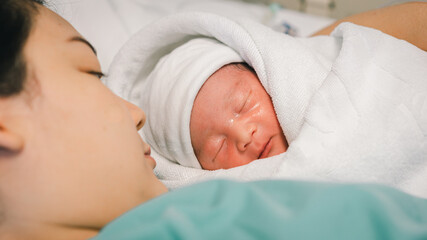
[(334, 8)]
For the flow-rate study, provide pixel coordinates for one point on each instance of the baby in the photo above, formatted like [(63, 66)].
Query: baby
[(207, 109), (233, 120)]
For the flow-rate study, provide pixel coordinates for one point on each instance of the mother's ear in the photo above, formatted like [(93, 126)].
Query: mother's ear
[(10, 141)]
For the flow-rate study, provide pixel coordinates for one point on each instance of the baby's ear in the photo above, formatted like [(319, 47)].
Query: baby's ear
[(10, 141)]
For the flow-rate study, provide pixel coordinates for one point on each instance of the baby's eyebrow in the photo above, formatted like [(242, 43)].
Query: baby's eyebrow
[(231, 92), (80, 39)]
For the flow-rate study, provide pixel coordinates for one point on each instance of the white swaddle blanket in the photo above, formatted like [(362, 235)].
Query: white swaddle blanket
[(353, 105)]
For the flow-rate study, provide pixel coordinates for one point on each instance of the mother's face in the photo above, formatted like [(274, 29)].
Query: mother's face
[(77, 157)]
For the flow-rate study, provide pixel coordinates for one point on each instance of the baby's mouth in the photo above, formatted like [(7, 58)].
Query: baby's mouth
[(265, 150)]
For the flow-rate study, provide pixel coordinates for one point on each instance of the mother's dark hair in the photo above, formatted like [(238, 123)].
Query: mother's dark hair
[(16, 21)]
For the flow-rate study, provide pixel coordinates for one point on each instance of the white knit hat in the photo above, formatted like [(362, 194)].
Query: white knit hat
[(169, 94)]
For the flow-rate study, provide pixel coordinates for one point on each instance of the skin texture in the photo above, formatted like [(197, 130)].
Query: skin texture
[(71, 159), (233, 119), (406, 21)]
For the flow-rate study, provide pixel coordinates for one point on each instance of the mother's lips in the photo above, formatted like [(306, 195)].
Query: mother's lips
[(147, 154), (266, 149)]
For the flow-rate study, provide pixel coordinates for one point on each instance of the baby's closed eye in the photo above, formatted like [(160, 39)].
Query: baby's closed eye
[(244, 103)]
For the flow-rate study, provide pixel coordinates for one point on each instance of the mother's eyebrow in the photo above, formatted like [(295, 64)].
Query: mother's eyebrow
[(80, 39)]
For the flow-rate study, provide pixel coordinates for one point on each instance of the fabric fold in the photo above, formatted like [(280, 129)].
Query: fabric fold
[(352, 105)]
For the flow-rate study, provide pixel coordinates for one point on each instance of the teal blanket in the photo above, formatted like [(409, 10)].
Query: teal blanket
[(275, 209)]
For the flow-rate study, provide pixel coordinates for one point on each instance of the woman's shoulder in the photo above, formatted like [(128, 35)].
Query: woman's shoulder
[(270, 209)]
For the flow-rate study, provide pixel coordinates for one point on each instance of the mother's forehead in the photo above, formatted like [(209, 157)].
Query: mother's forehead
[(51, 26)]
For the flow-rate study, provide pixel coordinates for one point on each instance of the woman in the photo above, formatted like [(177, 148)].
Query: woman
[(405, 21), (72, 161), (62, 130)]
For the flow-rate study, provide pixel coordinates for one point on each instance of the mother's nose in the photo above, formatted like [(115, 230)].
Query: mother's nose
[(138, 115), (243, 134)]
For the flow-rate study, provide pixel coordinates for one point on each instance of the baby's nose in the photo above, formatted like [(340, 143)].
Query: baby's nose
[(244, 135)]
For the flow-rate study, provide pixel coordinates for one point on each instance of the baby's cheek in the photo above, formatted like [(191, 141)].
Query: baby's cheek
[(240, 162), (232, 159)]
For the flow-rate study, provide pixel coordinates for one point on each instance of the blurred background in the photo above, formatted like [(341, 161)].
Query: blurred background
[(108, 24), (333, 8)]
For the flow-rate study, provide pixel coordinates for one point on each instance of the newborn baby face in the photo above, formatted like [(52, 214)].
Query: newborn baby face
[(233, 121)]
